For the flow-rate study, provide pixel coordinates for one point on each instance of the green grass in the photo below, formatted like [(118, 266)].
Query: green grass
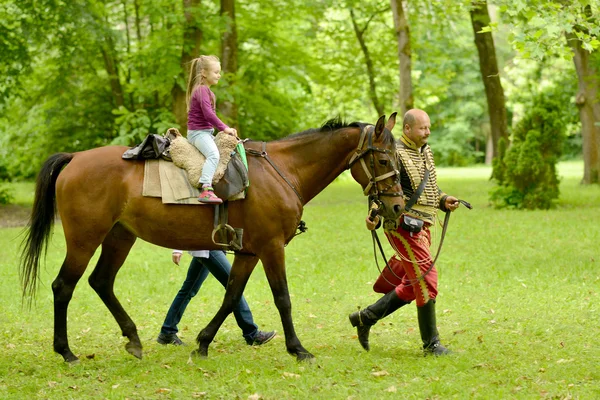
[(518, 305)]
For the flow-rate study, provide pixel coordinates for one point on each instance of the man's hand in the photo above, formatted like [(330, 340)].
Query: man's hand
[(176, 257), (451, 203), (371, 225)]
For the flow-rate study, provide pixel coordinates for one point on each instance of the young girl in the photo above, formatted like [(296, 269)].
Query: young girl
[(205, 71)]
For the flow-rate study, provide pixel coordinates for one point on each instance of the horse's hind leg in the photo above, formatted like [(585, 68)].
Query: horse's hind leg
[(240, 272), (63, 286), (115, 248)]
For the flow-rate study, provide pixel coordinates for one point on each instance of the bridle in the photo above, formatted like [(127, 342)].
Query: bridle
[(372, 189)]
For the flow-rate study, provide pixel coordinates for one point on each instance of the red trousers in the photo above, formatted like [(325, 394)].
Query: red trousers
[(411, 261)]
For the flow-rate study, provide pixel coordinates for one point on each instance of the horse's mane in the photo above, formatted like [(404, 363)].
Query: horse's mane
[(335, 124), (329, 126)]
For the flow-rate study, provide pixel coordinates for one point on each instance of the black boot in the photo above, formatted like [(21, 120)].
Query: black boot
[(429, 332), (364, 319)]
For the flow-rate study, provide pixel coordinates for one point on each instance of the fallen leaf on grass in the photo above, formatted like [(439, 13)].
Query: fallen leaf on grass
[(562, 361), (254, 396), (90, 356), (166, 366), (391, 389), (52, 383), (380, 373), (74, 387), (115, 386), (198, 394), (163, 390), (11, 346), (290, 375)]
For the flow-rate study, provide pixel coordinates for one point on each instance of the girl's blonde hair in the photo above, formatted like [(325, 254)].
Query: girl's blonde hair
[(195, 78)]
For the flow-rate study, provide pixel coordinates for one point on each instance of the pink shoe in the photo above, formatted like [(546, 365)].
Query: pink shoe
[(208, 196)]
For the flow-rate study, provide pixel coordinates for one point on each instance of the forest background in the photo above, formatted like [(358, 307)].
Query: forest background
[(82, 74)]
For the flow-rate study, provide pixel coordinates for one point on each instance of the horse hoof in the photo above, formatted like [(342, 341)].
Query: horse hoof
[(134, 350), (305, 357), (71, 358), (73, 362), (196, 354)]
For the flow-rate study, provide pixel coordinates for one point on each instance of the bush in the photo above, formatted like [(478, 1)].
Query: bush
[(526, 171), (6, 195)]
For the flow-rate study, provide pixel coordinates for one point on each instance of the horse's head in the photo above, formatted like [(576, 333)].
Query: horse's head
[(375, 167)]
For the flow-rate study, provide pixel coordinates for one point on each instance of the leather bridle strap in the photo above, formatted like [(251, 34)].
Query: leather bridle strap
[(264, 155), (359, 155)]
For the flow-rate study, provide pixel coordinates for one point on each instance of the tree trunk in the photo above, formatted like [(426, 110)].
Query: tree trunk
[(229, 63), (488, 66), (192, 38), (404, 56), (589, 109), (112, 69), (370, 71)]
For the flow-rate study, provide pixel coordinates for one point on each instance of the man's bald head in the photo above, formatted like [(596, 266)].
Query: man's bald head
[(416, 126)]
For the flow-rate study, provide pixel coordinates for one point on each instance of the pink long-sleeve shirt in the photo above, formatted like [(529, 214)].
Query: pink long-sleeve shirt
[(202, 111)]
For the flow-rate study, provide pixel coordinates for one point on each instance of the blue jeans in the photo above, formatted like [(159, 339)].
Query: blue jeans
[(218, 265), (205, 142)]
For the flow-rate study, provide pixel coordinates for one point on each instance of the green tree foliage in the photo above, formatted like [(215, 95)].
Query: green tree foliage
[(526, 171), (85, 73)]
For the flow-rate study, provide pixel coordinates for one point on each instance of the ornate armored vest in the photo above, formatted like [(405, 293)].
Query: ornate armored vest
[(413, 162)]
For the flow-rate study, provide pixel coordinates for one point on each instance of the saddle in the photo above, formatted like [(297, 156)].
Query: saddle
[(231, 177)]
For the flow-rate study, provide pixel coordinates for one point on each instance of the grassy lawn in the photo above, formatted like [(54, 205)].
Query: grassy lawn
[(518, 305)]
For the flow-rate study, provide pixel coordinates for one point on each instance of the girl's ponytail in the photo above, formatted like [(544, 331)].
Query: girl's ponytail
[(191, 84), (195, 77)]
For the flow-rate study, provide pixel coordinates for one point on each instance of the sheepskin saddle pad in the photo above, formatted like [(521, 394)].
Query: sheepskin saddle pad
[(186, 156), (177, 182)]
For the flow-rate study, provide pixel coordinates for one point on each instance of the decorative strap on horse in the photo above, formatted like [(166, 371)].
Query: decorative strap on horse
[(264, 155), (367, 133)]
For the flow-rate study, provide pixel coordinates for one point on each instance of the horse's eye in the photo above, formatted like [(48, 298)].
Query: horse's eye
[(383, 162)]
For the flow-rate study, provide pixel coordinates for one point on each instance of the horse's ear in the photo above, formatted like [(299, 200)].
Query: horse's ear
[(391, 122), (379, 126)]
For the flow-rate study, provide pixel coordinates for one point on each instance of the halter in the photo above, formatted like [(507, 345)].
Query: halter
[(372, 189)]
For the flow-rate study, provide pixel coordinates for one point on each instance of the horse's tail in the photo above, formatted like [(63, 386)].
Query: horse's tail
[(41, 222)]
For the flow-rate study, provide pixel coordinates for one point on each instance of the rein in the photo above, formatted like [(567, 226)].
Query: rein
[(411, 282)]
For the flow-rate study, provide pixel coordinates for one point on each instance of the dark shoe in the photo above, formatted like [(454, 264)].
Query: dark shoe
[(436, 349), (261, 338), (429, 332), (364, 319), (171, 338)]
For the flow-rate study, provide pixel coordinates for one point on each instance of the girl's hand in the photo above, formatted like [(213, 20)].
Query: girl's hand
[(176, 258), (231, 131)]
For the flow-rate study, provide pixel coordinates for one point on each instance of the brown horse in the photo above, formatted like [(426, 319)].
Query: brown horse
[(99, 198)]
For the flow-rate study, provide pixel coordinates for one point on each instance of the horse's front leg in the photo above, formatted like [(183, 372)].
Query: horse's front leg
[(274, 264), (241, 270)]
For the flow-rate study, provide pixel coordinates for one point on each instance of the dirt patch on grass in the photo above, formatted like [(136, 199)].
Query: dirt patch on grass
[(14, 215)]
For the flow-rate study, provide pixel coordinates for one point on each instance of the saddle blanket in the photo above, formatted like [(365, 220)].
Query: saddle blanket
[(163, 179)]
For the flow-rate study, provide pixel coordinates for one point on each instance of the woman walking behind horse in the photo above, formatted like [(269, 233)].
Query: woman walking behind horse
[(205, 71)]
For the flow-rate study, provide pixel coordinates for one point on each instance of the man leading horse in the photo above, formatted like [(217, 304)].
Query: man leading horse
[(411, 274)]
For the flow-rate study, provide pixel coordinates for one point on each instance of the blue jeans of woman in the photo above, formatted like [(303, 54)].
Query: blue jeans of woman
[(205, 142), (218, 265)]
